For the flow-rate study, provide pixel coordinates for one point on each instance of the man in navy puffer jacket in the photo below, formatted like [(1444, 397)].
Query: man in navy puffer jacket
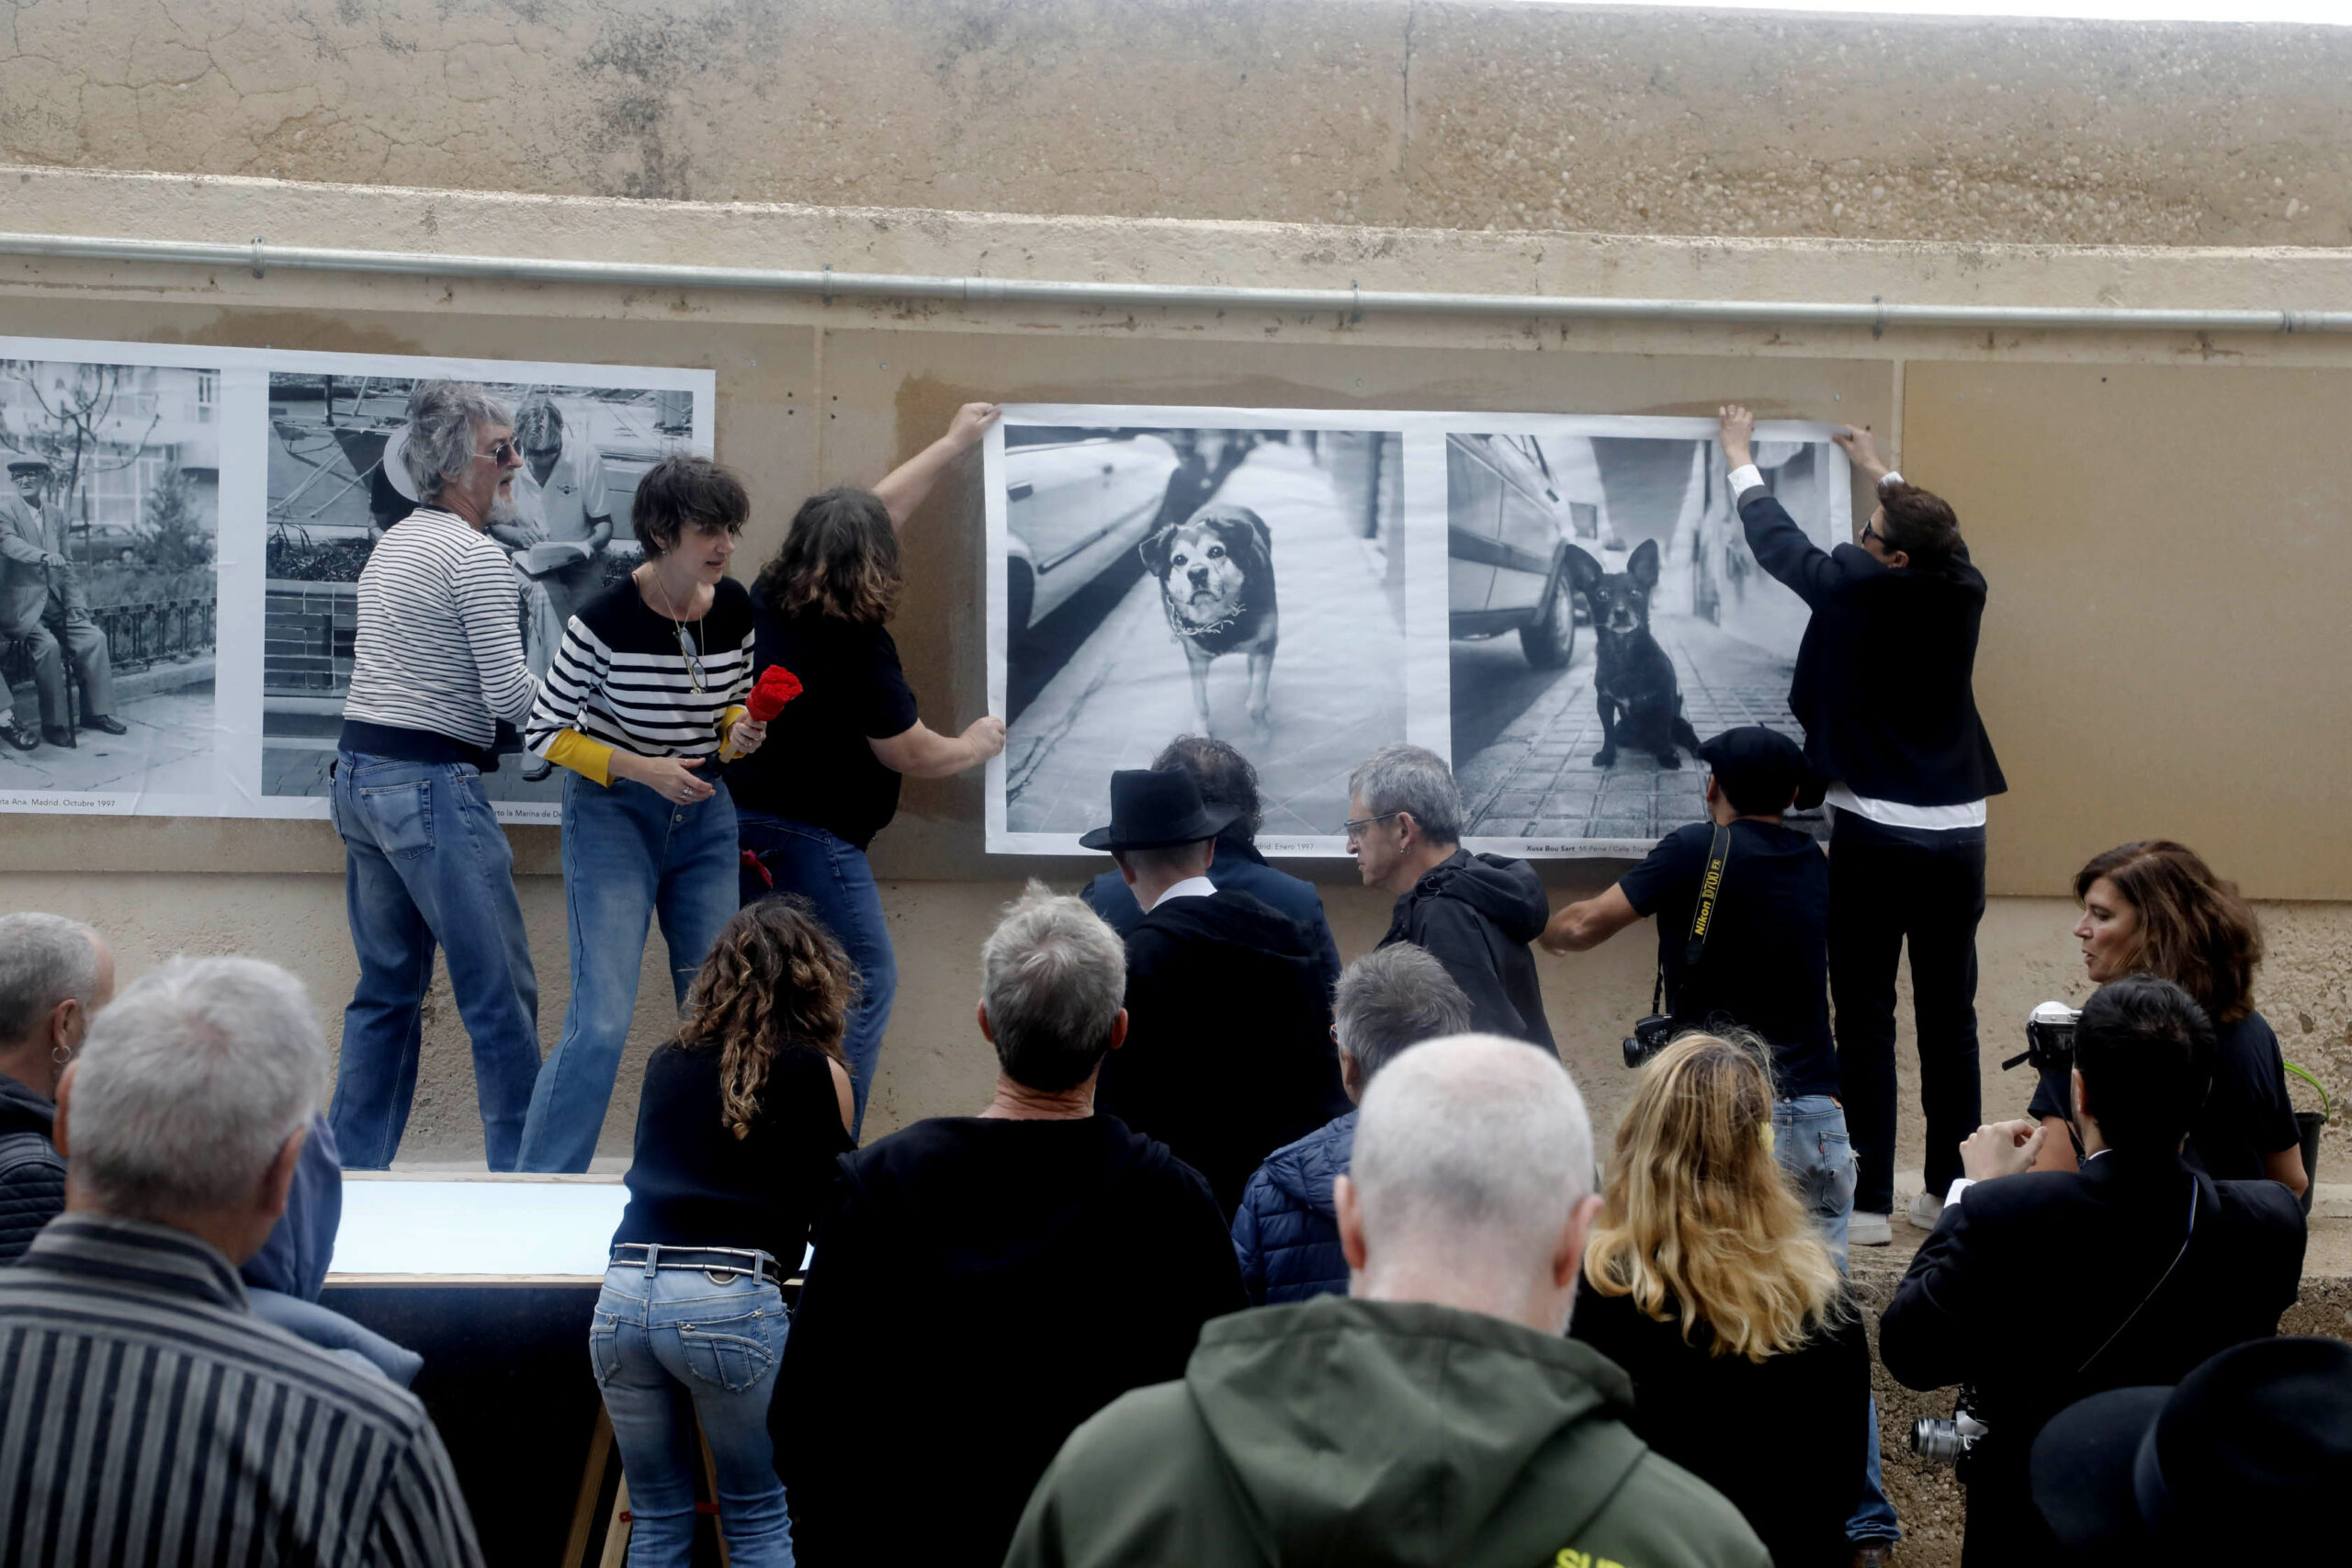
[(1285, 1230)]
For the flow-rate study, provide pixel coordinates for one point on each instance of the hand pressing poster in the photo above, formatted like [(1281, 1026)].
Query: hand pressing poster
[(1563, 606)]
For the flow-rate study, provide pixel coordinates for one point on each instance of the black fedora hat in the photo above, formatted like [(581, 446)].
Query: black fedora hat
[(1156, 808), (2253, 1448), (1760, 763)]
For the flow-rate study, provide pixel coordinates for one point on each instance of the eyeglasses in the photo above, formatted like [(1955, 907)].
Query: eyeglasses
[(1355, 826), (1869, 531), (502, 454), (692, 656)]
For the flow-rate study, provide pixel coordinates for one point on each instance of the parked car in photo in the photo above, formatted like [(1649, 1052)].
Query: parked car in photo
[(1506, 534), (1076, 501)]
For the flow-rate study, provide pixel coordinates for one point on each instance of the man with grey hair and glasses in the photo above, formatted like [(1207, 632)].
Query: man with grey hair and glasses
[(1436, 1413), (1286, 1231), (55, 976), (1476, 914), (438, 666), (561, 496), (182, 1123), (1038, 1251)]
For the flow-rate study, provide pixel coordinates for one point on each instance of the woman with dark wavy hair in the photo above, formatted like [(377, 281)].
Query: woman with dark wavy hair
[(742, 1118), (2156, 908), (811, 802)]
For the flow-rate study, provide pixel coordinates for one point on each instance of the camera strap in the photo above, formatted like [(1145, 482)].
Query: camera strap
[(2108, 1342), (1703, 912)]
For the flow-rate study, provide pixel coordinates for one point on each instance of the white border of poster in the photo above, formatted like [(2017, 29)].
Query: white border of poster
[(227, 780), (1428, 717)]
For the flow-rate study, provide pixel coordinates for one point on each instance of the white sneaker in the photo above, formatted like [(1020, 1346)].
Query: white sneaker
[(1865, 1229), (1925, 1210)]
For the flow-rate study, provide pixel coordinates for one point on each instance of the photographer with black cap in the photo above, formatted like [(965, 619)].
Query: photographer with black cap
[(2250, 1456), (2164, 1265), (1754, 958)]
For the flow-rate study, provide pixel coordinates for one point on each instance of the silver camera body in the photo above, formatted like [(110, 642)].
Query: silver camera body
[(1941, 1439)]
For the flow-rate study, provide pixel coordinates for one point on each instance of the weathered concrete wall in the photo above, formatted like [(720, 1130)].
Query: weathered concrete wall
[(1338, 111)]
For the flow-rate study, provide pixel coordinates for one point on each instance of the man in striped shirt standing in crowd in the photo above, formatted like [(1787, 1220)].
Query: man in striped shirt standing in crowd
[(437, 666), (152, 1417)]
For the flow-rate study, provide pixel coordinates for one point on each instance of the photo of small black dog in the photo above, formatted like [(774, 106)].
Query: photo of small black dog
[(1215, 572), (1634, 686)]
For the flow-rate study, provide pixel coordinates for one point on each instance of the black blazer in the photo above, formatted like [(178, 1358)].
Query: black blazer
[(2027, 1276), (1883, 681)]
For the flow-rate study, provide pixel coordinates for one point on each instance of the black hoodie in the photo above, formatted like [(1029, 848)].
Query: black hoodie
[(1229, 1054), (1476, 914), (980, 1288), (32, 1174)]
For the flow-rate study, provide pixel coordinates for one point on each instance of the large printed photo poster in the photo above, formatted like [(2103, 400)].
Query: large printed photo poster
[(182, 533), (1309, 586)]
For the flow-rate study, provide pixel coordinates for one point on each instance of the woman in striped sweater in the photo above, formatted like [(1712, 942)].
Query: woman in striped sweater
[(646, 688)]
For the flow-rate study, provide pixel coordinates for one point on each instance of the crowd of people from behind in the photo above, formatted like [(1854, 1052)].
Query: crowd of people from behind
[(1250, 1257)]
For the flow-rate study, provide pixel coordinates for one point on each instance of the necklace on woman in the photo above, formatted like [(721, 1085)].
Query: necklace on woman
[(689, 649)]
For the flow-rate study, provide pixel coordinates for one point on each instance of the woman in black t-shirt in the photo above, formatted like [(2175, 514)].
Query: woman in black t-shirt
[(1706, 1280), (2157, 908), (828, 779), (742, 1117)]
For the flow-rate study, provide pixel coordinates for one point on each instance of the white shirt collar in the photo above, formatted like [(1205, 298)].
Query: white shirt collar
[(1191, 888)]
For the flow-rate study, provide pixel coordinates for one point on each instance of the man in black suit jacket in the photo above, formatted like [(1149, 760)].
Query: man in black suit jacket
[(2164, 1266), (1229, 1054), (1883, 689)]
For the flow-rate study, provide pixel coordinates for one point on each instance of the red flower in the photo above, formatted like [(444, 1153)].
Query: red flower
[(775, 687)]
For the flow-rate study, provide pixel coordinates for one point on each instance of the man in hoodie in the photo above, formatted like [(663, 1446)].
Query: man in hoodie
[(1476, 914), (1436, 1414), (1228, 1050), (985, 1283), (1287, 1231), (55, 976)]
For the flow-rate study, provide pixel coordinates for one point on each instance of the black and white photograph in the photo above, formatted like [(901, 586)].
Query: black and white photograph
[(335, 486), (109, 527), (1605, 615), (1159, 580)]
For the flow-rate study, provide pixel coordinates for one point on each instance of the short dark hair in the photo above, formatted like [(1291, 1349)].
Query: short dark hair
[(1751, 793), (682, 491), (1226, 778), (1919, 523), (840, 557), (2145, 1050)]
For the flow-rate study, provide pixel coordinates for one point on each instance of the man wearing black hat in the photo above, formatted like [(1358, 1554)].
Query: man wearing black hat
[(42, 602), (2163, 1266), (1229, 1054), (1763, 964), (2250, 1457)]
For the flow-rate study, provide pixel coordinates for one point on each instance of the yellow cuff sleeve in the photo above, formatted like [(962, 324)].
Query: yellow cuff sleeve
[(726, 725), (589, 758)]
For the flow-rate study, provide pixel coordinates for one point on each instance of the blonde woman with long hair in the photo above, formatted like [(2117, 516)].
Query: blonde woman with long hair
[(1707, 1280)]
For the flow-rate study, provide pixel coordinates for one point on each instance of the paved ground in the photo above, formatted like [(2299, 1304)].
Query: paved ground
[(168, 730), (1524, 739), (1338, 690)]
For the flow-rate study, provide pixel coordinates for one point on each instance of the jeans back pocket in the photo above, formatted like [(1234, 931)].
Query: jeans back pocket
[(398, 816), (733, 1353)]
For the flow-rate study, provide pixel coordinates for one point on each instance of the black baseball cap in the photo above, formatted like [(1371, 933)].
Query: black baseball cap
[(1156, 808), (1756, 764), (2254, 1448)]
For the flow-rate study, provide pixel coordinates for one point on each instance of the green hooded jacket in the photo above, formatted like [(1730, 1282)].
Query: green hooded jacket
[(1338, 1431)]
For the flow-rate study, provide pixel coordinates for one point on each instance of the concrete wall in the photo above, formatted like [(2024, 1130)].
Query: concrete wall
[(1332, 111), (810, 395)]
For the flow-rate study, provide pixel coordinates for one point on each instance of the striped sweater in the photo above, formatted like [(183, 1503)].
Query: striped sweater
[(153, 1418), (439, 643), (629, 680)]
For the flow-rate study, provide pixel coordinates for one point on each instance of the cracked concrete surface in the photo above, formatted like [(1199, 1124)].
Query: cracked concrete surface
[(1393, 112)]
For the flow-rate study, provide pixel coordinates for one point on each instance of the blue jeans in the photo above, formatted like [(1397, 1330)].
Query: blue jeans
[(1809, 1138), (832, 874), (671, 1345), (425, 862), (627, 855)]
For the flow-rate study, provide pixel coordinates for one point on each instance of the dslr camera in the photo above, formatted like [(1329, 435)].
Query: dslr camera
[(1940, 1440), (1651, 1035), (2049, 1038)]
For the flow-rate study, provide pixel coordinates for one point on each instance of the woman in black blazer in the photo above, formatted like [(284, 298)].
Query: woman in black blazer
[(1707, 1282)]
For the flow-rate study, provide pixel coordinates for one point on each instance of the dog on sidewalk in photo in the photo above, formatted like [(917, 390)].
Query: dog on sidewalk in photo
[(1216, 583), (1634, 686)]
